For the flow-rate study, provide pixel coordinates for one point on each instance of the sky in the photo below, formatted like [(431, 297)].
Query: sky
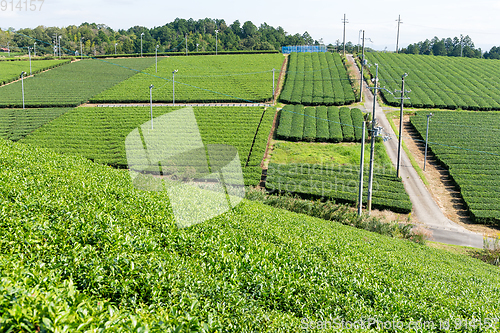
[(422, 19)]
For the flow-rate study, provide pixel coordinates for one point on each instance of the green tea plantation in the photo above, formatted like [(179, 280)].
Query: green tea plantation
[(81, 250)]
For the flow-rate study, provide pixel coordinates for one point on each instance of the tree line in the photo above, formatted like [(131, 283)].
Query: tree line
[(201, 35), (462, 46)]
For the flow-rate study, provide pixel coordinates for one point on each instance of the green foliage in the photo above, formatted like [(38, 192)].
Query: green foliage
[(221, 78), (99, 133), (310, 123), (335, 128), (329, 210), (440, 82), (11, 70), (451, 47), (80, 246), (346, 122), (491, 251), (285, 122), (297, 131), (317, 79), (72, 84), (100, 39), (357, 122), (320, 123), (15, 124), (465, 143), (322, 127), (339, 183)]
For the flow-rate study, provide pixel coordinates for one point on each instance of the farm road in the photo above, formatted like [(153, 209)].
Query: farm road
[(425, 209)]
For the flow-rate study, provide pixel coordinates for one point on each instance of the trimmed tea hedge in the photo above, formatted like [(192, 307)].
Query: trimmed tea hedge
[(321, 123), (317, 79), (467, 144)]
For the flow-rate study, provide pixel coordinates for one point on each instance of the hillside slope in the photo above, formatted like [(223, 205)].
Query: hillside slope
[(80, 246)]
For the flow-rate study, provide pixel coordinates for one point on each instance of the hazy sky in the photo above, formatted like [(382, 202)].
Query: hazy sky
[(322, 19)]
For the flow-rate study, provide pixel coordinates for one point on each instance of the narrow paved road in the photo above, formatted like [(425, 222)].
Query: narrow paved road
[(425, 209)]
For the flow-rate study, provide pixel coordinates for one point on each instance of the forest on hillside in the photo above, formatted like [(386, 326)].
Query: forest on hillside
[(201, 36), (462, 46)]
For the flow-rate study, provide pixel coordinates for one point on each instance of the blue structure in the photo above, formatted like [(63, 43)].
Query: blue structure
[(303, 48)]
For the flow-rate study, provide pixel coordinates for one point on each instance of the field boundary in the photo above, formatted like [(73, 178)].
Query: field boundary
[(112, 105)]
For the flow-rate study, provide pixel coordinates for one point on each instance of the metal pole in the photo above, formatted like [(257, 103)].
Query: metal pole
[(81, 48), (22, 85), (362, 66), (401, 124), (8, 48), (173, 87), (186, 44), (60, 47), (34, 49), (426, 138), (29, 54), (156, 58), (216, 32), (142, 34), (273, 83), (151, 103), (361, 166), (115, 47), (372, 148)]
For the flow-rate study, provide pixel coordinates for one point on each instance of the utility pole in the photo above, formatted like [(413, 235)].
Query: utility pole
[(397, 40), (426, 139), (359, 39), (362, 66), (401, 122), (344, 21), (461, 46), (186, 44), (361, 166), (372, 148)]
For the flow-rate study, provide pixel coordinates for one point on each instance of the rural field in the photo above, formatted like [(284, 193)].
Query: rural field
[(201, 79), (71, 84), (11, 70), (440, 82), (99, 133), (317, 79), (84, 249), (321, 124), (466, 143)]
